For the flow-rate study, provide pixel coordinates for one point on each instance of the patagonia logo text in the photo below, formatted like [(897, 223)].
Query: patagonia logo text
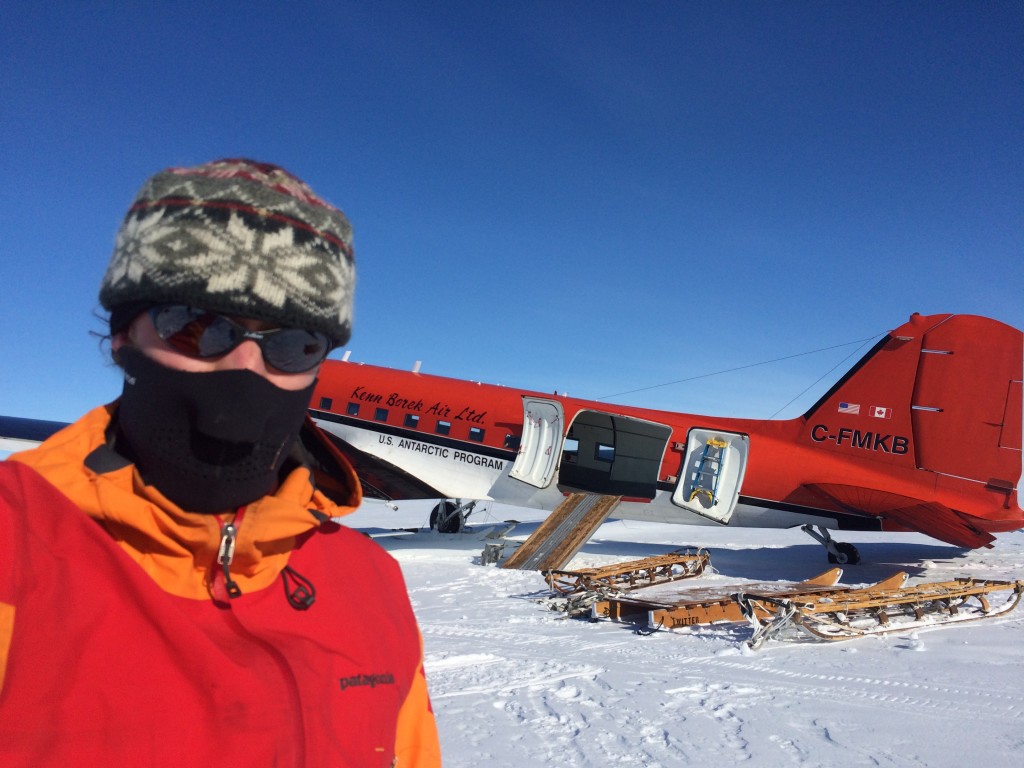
[(371, 681)]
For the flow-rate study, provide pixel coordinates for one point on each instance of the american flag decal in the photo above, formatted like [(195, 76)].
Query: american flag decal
[(853, 408)]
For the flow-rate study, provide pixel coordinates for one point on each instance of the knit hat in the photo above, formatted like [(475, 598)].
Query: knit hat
[(236, 237)]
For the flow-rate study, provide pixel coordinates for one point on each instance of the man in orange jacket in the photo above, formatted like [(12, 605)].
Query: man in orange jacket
[(173, 586)]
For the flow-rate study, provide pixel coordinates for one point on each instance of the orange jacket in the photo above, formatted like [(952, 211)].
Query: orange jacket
[(348, 669)]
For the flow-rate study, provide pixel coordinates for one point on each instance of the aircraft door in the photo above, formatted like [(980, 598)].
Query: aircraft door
[(541, 443), (712, 473)]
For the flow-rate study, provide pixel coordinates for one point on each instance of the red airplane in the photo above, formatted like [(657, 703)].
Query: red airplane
[(923, 434)]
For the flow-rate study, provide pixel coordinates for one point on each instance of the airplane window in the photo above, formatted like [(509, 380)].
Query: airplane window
[(512, 441), (604, 452), (381, 414), (476, 434), (570, 450), (412, 420), (326, 403), (443, 427), (353, 409)]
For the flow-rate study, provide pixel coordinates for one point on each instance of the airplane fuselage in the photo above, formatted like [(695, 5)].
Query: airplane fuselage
[(469, 440), (923, 434)]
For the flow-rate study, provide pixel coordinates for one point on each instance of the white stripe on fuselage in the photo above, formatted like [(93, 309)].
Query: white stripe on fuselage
[(463, 474), (455, 472)]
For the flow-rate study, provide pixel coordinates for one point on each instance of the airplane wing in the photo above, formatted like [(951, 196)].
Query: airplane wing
[(380, 479), (18, 434), (928, 517)]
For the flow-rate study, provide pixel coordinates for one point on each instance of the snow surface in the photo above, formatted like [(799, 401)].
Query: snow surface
[(515, 684)]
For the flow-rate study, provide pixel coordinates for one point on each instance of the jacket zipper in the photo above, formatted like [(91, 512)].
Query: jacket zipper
[(226, 587), (223, 585)]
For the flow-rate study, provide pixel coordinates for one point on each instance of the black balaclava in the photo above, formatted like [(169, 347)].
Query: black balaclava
[(210, 441)]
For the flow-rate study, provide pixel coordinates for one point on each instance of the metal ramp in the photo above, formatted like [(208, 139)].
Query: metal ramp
[(563, 532)]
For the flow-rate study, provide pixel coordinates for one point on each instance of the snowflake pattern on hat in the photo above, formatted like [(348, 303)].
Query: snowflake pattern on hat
[(236, 237)]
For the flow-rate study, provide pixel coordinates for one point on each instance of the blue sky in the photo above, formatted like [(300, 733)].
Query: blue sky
[(592, 197)]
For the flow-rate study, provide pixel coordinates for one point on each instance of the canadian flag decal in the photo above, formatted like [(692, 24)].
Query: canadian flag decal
[(880, 412)]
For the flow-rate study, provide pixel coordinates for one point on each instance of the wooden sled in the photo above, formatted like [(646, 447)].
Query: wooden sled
[(582, 588), (884, 607), (820, 607)]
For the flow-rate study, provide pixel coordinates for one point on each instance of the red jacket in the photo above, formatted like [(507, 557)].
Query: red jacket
[(119, 645)]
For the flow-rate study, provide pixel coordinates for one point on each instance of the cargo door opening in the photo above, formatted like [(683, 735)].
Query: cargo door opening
[(613, 455)]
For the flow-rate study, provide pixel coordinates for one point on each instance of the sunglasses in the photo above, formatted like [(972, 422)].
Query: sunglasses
[(198, 333)]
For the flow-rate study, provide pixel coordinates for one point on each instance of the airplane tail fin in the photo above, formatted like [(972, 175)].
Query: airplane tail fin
[(942, 390)]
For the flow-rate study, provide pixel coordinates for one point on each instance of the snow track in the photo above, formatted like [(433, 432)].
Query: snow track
[(514, 684)]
